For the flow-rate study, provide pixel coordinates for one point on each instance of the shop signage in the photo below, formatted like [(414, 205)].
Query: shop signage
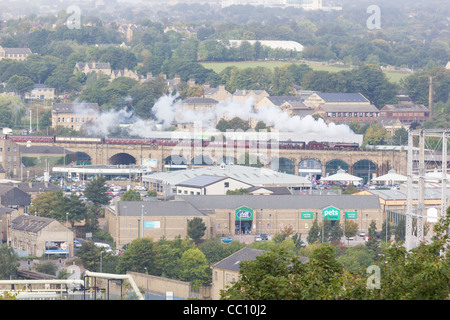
[(331, 213), (350, 215), (307, 215), (244, 214)]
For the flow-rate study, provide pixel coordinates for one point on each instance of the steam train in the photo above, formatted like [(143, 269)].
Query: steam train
[(188, 142)]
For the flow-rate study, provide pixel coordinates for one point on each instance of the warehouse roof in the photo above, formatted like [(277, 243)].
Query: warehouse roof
[(251, 175), (284, 201), (342, 97), (157, 208)]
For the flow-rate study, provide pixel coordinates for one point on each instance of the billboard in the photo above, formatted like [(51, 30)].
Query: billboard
[(152, 224), (152, 163)]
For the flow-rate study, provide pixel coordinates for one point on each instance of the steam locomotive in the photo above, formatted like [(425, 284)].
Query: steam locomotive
[(188, 142)]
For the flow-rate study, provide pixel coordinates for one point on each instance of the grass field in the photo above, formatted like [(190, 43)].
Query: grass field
[(393, 76)]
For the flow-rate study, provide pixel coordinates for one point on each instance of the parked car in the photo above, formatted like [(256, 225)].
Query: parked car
[(77, 243)]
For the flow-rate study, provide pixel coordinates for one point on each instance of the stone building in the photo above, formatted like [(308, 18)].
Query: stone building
[(19, 54), (74, 115), (36, 236)]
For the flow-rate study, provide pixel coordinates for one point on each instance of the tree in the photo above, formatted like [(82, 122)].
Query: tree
[(131, 195), (8, 262), (375, 134), (141, 256), (400, 137), (96, 192), (196, 229), (19, 84), (351, 228), (372, 243), (194, 268), (313, 234)]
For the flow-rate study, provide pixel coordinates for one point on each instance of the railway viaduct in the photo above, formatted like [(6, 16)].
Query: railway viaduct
[(358, 162)]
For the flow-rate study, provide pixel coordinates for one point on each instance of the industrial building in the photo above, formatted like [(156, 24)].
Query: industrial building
[(234, 215)]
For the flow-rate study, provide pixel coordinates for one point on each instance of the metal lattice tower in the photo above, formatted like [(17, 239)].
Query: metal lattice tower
[(415, 215)]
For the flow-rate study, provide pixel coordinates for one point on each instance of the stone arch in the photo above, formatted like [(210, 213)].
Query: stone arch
[(285, 165), (310, 168), (334, 165), (122, 159), (227, 160), (175, 162), (364, 169)]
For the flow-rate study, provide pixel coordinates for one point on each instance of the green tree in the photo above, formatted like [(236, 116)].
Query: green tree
[(19, 84), (8, 262), (196, 229), (400, 137), (372, 243), (375, 134), (96, 191), (194, 268), (313, 234), (141, 256), (131, 195)]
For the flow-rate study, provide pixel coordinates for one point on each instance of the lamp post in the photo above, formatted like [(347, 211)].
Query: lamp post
[(142, 220)]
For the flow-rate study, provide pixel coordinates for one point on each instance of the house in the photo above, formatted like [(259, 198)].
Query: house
[(292, 105), (211, 185), (41, 92), (36, 236), (74, 115), (407, 113), (219, 93), (13, 197), (88, 67), (19, 54), (226, 271), (196, 105), (241, 96)]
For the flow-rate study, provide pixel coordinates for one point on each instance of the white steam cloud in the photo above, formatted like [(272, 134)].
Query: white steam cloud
[(170, 108)]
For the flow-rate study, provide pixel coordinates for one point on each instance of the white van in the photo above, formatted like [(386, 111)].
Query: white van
[(104, 245)]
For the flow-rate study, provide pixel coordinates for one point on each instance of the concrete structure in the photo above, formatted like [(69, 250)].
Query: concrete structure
[(19, 54), (209, 185), (36, 236), (41, 92), (74, 115)]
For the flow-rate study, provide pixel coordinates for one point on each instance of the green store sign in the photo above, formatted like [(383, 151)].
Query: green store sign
[(307, 215), (351, 215), (331, 213), (244, 214)]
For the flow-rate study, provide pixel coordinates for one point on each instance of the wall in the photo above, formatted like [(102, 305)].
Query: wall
[(161, 285)]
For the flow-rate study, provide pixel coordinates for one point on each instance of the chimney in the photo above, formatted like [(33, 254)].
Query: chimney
[(430, 97)]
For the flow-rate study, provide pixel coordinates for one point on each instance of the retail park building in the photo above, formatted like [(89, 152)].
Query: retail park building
[(231, 215)]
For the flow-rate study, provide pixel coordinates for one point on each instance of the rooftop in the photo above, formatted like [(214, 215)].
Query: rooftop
[(293, 202), (251, 175), (342, 97), (74, 107)]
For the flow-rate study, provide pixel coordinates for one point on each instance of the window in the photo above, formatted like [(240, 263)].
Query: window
[(355, 114), (226, 184)]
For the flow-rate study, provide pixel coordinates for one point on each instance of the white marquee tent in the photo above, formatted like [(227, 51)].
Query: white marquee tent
[(342, 177)]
